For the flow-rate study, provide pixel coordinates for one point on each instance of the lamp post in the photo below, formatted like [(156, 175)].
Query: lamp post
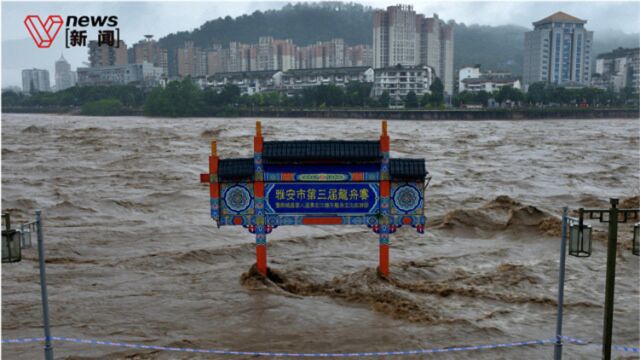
[(614, 214), (557, 350), (48, 348), (580, 246)]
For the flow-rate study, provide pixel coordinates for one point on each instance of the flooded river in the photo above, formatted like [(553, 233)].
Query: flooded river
[(133, 255)]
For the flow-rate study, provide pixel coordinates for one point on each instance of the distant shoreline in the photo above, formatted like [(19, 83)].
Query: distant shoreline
[(452, 114)]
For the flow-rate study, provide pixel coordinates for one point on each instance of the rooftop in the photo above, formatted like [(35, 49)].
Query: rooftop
[(402, 67), (407, 169), (327, 71), (487, 78), (314, 150), (235, 169), (242, 169), (619, 52), (245, 74), (560, 17)]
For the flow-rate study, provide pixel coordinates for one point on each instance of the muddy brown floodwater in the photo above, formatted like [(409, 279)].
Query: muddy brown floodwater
[(133, 256)]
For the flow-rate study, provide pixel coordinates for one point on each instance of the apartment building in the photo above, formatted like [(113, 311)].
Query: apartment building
[(35, 80), (65, 78), (145, 75), (400, 36), (558, 51), (148, 50), (618, 69), (296, 80), (105, 55), (399, 80)]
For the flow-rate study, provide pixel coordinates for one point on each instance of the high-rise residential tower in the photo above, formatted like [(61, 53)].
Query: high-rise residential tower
[(64, 76), (192, 60), (105, 55), (400, 36), (396, 37), (436, 48), (35, 80), (558, 51), (148, 50)]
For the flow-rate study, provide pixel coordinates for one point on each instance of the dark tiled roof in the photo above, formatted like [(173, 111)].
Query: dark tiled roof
[(399, 169), (235, 169), (407, 169), (488, 78), (351, 151), (401, 68), (240, 75), (340, 71)]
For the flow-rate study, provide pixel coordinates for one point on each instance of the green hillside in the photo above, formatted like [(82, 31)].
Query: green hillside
[(494, 47)]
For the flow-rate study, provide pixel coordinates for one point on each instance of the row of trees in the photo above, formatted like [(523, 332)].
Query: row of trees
[(183, 98), (129, 96), (541, 94)]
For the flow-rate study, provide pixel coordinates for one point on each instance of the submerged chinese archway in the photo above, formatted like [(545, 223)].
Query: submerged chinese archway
[(317, 183)]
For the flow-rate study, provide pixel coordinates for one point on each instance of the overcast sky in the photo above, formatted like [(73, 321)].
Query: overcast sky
[(136, 19)]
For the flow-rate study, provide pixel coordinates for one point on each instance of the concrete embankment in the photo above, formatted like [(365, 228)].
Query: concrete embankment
[(452, 114), (501, 114)]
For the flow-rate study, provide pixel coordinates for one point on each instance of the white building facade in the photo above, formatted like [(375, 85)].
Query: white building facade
[(467, 72), (65, 78), (35, 80), (249, 82), (297, 80), (618, 69), (145, 75), (398, 81), (471, 79), (489, 84)]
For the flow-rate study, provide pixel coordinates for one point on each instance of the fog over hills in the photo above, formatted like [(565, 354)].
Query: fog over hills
[(493, 47), (495, 44)]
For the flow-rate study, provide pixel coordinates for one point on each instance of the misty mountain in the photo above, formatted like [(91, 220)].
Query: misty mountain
[(304, 23), (493, 47)]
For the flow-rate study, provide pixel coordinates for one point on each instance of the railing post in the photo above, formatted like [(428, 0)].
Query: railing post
[(48, 348), (557, 350), (23, 242), (611, 279)]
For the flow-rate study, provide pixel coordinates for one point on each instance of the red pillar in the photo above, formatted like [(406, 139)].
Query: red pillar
[(214, 185), (261, 258), (384, 259), (385, 212), (258, 191)]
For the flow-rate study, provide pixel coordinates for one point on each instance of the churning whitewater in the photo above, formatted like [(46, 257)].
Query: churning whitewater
[(133, 255)]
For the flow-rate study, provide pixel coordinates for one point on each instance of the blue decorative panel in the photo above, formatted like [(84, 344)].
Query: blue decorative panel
[(322, 198), (236, 199), (406, 198)]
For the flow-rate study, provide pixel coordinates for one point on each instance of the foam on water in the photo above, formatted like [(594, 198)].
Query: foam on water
[(134, 257)]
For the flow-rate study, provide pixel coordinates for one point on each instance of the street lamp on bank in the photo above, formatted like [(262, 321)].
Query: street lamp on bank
[(636, 239), (580, 246)]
